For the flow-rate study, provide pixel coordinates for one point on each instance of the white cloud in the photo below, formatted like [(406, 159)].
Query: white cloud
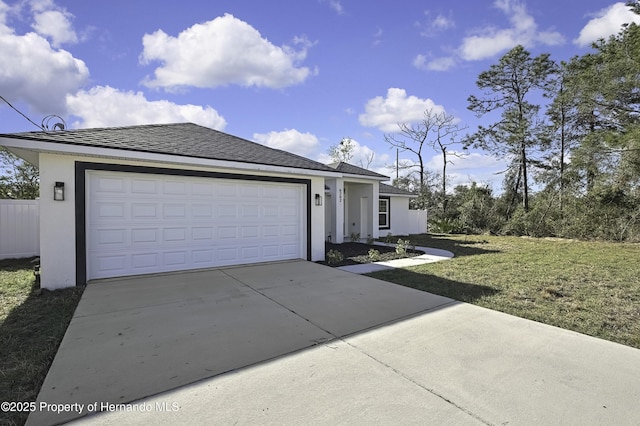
[(33, 71), (605, 23), (396, 107), (443, 23), (435, 25), (444, 63), (223, 51), (104, 106), (290, 140), (56, 25), (336, 5), (377, 37), (4, 11), (490, 41)]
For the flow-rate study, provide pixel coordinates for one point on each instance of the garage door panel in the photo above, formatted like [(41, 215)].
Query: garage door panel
[(110, 185), (202, 189), (145, 236), (144, 211), (200, 233), (251, 253), (201, 257), (249, 211), (111, 237), (226, 190), (228, 254), (202, 211), (227, 232), (139, 224), (288, 231), (289, 249), (174, 187), (144, 186), (172, 235), (249, 190), (228, 211), (175, 258), (109, 264), (110, 210), (146, 261)]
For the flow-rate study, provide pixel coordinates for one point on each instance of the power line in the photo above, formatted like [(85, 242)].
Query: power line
[(20, 112)]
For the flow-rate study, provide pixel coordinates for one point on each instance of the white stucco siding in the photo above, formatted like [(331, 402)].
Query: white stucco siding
[(399, 212), (317, 220), (404, 221), (58, 220), (57, 223)]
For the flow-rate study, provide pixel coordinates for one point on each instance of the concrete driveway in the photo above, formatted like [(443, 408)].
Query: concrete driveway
[(300, 343)]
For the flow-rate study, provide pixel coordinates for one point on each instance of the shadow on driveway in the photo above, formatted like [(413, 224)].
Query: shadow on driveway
[(136, 337)]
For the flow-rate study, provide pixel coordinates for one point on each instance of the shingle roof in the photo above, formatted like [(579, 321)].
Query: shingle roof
[(355, 170), (181, 139), (388, 189)]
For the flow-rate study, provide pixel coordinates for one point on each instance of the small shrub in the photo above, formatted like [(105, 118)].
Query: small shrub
[(369, 239), (388, 240), (402, 246), (355, 237), (374, 255), (334, 257)]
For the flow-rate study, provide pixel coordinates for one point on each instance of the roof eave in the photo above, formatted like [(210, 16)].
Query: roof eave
[(354, 176), (84, 150)]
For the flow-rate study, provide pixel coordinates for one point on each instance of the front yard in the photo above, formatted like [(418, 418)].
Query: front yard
[(588, 287), (32, 324)]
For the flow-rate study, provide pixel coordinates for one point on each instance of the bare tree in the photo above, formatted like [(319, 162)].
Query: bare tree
[(446, 129), (367, 161), (437, 130)]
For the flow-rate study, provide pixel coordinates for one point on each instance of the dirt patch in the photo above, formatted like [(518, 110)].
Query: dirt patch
[(358, 253)]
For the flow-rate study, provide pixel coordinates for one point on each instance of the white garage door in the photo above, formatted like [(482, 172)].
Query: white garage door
[(146, 223)]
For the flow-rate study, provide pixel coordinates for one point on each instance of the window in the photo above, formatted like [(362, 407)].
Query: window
[(384, 213)]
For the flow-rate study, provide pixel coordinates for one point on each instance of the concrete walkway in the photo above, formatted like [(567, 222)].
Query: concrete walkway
[(300, 343), (430, 255)]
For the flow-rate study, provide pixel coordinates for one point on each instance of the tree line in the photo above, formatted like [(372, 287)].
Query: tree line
[(571, 130)]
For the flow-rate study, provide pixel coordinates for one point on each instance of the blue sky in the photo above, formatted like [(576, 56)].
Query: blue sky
[(298, 75)]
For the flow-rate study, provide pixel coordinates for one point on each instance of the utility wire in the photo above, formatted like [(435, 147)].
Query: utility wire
[(19, 112)]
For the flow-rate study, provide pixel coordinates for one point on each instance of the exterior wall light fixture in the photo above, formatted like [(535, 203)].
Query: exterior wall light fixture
[(58, 191)]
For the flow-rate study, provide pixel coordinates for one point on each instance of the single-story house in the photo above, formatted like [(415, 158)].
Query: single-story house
[(157, 198)]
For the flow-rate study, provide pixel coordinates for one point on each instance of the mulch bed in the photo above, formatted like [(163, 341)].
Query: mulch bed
[(358, 253)]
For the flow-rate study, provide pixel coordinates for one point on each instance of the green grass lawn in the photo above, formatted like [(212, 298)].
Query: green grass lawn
[(589, 287), (32, 324)]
